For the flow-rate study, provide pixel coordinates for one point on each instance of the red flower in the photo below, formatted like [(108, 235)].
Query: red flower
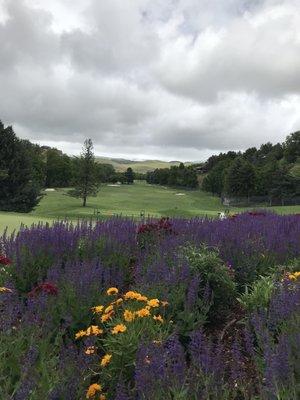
[(46, 287), (5, 260)]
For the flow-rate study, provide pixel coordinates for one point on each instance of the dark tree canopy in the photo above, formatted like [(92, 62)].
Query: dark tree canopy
[(129, 176), (19, 184)]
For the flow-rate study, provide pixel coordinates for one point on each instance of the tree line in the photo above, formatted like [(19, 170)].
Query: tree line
[(179, 176), (27, 168), (271, 171)]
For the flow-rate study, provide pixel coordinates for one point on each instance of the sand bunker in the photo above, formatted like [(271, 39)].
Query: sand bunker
[(114, 185), (179, 194)]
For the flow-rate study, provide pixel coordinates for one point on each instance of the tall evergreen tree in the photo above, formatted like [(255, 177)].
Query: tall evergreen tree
[(19, 190), (86, 182)]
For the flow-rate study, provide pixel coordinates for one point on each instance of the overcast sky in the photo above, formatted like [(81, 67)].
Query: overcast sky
[(165, 79)]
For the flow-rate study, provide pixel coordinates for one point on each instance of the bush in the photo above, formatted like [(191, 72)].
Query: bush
[(215, 275)]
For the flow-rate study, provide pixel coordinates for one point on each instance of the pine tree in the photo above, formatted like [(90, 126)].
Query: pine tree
[(86, 182)]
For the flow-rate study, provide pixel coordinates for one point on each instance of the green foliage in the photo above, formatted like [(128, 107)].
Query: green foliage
[(129, 176), (180, 176), (240, 178), (214, 273), (292, 147), (20, 187), (258, 295), (86, 183)]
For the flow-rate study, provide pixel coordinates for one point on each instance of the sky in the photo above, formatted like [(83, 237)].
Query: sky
[(151, 79)]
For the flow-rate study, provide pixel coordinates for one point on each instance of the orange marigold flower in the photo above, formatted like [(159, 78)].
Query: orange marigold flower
[(97, 309), (105, 360), (118, 329), (106, 317), (108, 309), (92, 390), (128, 316), (80, 334), (153, 303), (5, 290), (90, 350), (93, 330), (144, 312), (158, 318), (112, 290)]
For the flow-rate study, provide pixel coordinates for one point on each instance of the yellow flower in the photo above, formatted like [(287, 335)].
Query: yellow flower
[(153, 303), (291, 277), (80, 334), (102, 397), (90, 350), (105, 360), (112, 290), (92, 390), (117, 302), (108, 309), (128, 316), (131, 295), (118, 329), (97, 309), (141, 298), (143, 313), (158, 342), (93, 330), (5, 290), (106, 317), (158, 318)]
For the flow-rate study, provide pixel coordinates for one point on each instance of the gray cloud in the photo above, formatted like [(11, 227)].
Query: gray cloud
[(151, 78)]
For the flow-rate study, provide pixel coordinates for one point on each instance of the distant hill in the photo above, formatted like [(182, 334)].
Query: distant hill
[(121, 164)]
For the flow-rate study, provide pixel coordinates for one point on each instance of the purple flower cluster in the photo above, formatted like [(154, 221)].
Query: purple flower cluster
[(57, 273)]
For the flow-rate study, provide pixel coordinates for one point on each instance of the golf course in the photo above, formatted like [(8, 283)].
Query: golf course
[(126, 200)]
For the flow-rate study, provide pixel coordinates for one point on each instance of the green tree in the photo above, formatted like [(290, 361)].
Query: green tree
[(59, 169), (86, 182), (240, 178), (292, 147), (20, 190), (129, 175)]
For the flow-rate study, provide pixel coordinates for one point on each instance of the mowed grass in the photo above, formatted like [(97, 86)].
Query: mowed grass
[(126, 200)]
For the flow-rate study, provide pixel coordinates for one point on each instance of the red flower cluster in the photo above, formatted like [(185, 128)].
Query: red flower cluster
[(163, 225), (46, 287), (257, 213), (4, 260)]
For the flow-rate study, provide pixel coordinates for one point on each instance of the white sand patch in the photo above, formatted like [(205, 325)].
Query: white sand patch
[(179, 194), (50, 190), (114, 185)]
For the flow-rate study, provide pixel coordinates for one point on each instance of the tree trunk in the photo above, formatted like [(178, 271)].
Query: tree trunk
[(84, 201)]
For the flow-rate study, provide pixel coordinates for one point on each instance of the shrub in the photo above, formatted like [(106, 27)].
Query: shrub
[(214, 274)]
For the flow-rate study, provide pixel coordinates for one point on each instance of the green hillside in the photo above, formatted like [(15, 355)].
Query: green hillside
[(121, 165)]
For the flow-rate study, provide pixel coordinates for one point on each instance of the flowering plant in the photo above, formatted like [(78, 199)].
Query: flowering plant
[(122, 323)]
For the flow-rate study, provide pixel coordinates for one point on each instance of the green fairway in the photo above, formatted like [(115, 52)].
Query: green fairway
[(127, 200)]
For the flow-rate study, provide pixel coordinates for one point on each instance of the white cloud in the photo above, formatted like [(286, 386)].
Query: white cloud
[(174, 79)]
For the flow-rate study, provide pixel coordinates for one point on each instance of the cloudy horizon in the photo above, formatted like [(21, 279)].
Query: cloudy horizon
[(151, 79)]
